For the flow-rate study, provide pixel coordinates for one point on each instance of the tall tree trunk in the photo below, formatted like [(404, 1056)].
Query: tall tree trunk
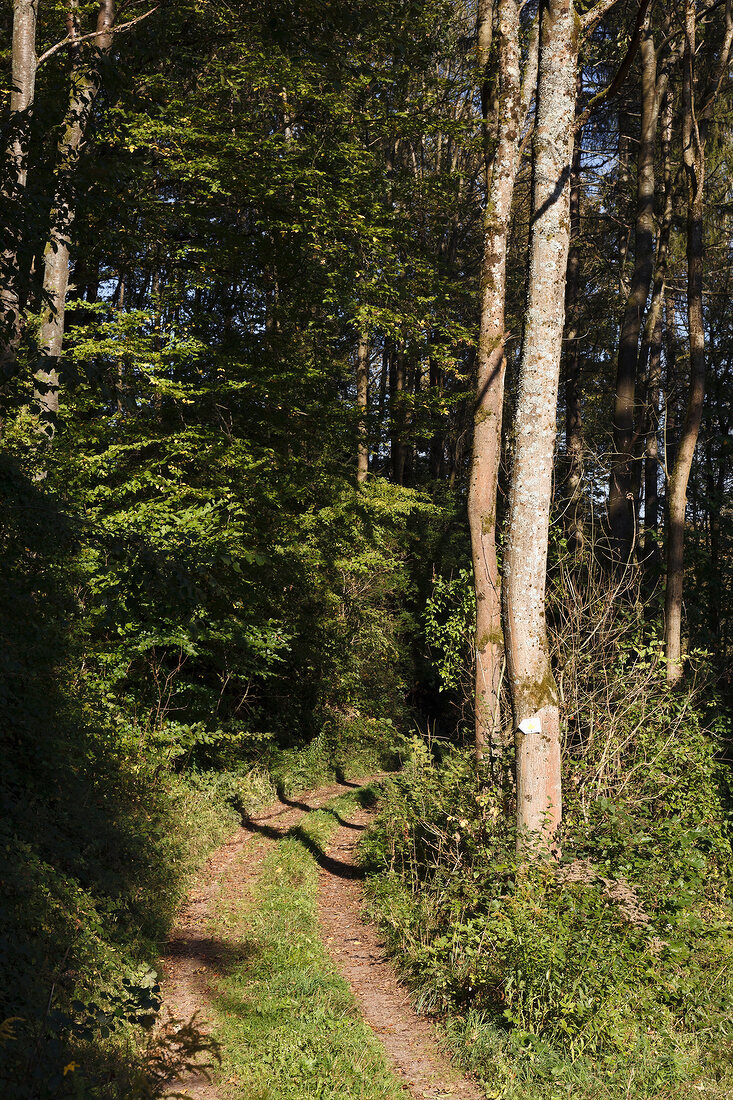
[(23, 78), (694, 130), (362, 396), (621, 497), (533, 687), (491, 369), (85, 81), (573, 409), (652, 352), (694, 161)]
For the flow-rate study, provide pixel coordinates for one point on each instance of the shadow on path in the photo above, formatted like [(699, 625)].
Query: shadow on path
[(328, 863)]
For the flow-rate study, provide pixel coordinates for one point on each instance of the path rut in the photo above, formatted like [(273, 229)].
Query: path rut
[(193, 957), (358, 951)]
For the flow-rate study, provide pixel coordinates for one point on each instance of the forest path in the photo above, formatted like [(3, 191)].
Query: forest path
[(357, 949), (202, 949)]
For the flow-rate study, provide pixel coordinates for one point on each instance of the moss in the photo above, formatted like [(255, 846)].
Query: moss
[(490, 637), (533, 695), (487, 522), (482, 415)]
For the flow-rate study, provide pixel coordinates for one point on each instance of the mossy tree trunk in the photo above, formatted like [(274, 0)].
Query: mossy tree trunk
[(533, 687), (501, 171)]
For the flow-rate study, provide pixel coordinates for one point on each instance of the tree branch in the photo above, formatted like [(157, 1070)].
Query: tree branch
[(623, 69), (590, 20), (75, 40)]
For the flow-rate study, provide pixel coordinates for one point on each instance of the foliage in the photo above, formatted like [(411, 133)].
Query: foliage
[(557, 973), (449, 618)]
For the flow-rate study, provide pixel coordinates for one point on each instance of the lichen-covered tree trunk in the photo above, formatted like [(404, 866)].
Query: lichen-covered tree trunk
[(23, 78), (491, 367), (533, 687), (573, 408), (85, 82)]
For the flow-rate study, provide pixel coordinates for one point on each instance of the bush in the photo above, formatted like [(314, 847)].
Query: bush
[(625, 946)]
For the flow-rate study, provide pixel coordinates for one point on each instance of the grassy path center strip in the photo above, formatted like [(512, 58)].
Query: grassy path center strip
[(286, 1020)]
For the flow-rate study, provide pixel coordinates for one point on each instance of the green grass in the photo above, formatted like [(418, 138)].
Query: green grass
[(288, 1023), (522, 1067), (545, 993)]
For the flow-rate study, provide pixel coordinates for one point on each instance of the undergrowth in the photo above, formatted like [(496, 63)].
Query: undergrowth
[(124, 676), (84, 913), (606, 976)]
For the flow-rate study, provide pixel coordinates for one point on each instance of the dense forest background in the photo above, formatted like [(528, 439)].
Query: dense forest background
[(243, 293)]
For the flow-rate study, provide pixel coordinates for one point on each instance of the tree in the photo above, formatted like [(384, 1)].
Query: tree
[(623, 490), (85, 83), (512, 102), (695, 124), (23, 80), (534, 692)]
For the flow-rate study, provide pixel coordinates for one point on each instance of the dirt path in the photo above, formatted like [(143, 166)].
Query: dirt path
[(357, 950), (194, 958)]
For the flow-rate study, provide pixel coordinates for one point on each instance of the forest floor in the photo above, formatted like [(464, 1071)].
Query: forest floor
[(273, 959)]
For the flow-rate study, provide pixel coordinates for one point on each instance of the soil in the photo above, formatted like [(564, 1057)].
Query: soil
[(193, 959), (358, 951)]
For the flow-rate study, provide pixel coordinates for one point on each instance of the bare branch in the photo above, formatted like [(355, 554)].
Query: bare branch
[(592, 18), (623, 70), (75, 40)]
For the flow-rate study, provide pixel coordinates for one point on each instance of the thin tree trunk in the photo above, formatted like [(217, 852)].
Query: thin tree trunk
[(693, 152), (533, 687), (694, 162), (362, 396), (652, 352), (491, 369), (23, 78), (621, 498), (85, 82)]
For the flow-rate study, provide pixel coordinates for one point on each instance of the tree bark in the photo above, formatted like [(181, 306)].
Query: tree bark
[(23, 78), (693, 156), (652, 352), (362, 395), (85, 82), (491, 369), (621, 497), (573, 409), (693, 153), (533, 687)]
